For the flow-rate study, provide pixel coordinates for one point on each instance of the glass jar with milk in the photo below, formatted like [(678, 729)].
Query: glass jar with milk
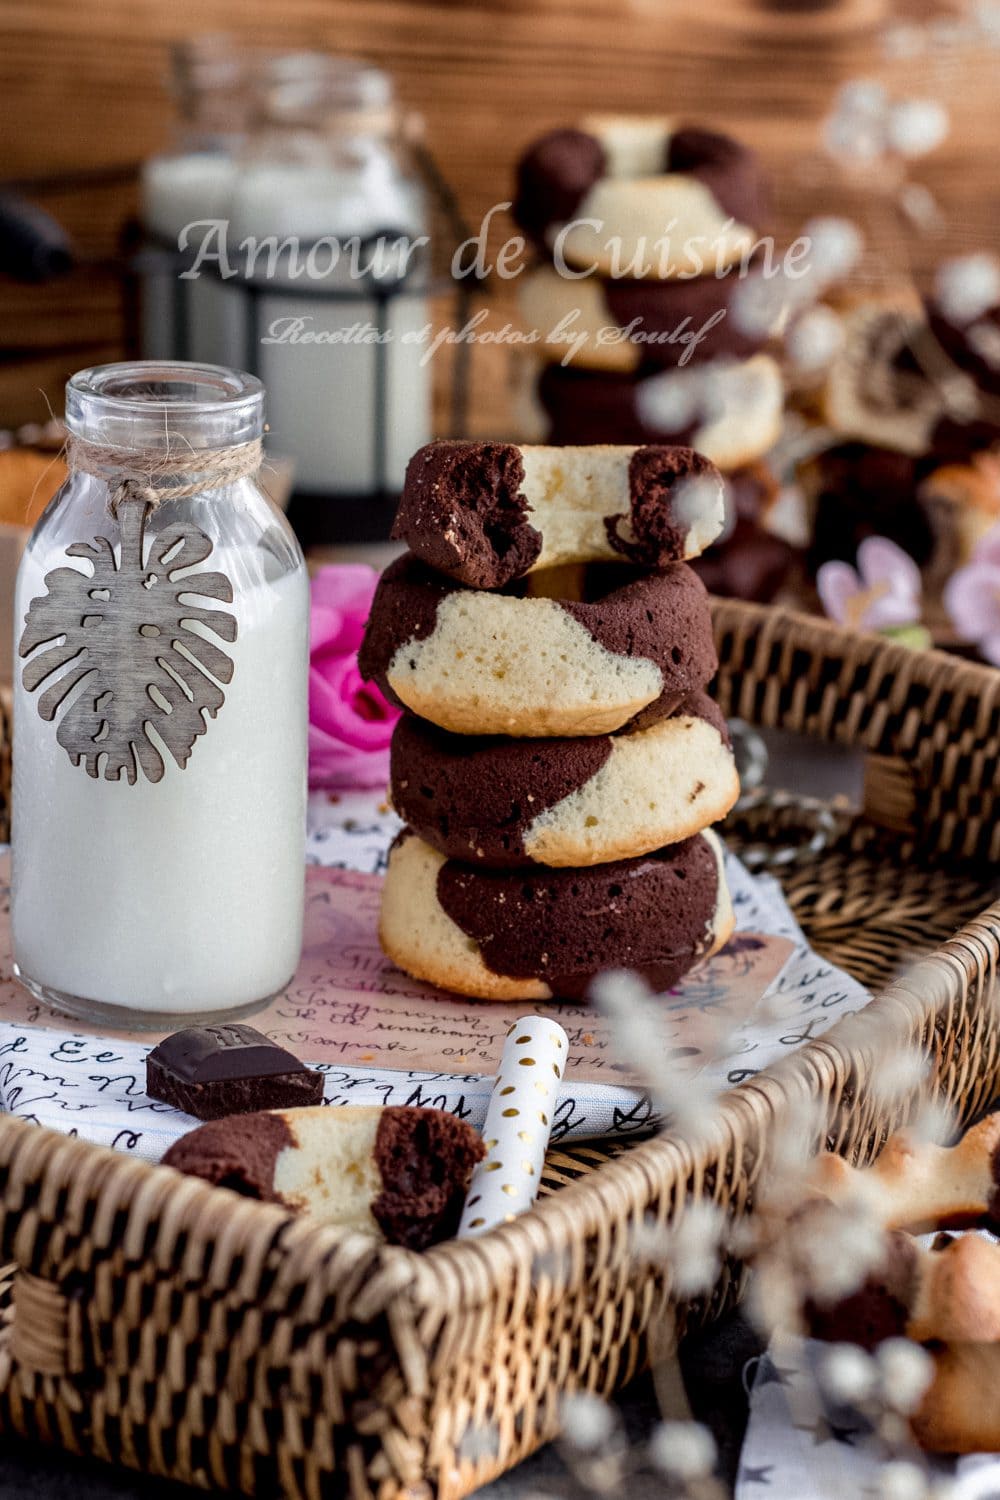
[(338, 309), (160, 710), (211, 81), (306, 260)]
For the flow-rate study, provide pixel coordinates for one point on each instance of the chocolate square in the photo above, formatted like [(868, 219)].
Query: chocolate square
[(228, 1069)]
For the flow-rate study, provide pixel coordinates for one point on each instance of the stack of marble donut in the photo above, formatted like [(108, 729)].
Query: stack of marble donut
[(946, 1297), (647, 230), (559, 758)]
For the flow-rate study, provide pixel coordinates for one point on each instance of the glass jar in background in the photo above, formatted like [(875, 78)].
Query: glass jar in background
[(210, 81), (337, 347), (159, 779)]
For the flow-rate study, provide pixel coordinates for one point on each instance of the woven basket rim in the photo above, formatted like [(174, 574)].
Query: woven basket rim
[(456, 1267), (776, 618)]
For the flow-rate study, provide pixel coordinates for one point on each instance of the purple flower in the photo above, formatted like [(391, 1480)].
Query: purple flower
[(882, 593), (350, 722), (972, 597)]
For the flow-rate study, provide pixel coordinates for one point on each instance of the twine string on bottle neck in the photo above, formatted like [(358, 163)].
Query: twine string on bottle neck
[(154, 476)]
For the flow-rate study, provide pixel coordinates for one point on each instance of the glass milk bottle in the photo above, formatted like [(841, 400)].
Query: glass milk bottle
[(160, 710), (325, 169), (190, 184)]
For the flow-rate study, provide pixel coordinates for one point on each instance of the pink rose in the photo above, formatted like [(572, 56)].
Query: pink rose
[(350, 722)]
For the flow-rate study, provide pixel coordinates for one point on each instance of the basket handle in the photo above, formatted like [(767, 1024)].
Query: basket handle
[(45, 1333), (929, 722)]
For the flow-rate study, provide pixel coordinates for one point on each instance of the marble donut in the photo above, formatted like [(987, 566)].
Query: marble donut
[(948, 1296), (730, 412), (539, 933), (640, 196), (486, 513), (672, 322), (504, 803), (396, 1172), (478, 662), (874, 389)]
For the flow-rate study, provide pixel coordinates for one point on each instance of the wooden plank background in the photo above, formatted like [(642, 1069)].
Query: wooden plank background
[(83, 86)]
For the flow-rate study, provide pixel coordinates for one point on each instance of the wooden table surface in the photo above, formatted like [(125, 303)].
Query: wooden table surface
[(83, 86)]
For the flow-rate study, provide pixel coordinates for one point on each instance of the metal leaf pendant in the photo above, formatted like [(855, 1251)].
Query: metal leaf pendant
[(123, 633)]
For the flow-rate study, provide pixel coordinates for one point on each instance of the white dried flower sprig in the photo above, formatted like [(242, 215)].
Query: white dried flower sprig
[(916, 127), (901, 1480), (682, 1450), (588, 1423), (790, 306), (865, 126), (906, 1372), (684, 1097), (696, 1247), (814, 340), (848, 1376), (967, 287), (601, 1459), (593, 1443)]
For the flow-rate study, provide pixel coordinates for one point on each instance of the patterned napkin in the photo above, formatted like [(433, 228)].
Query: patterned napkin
[(795, 1446), (95, 1088)]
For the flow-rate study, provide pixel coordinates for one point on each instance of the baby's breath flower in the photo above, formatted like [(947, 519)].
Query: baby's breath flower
[(835, 247), (814, 339), (904, 41), (695, 1248), (862, 96), (917, 126), (920, 206), (651, 1241), (588, 1424), (682, 1450), (838, 1250), (901, 1480), (759, 307), (694, 499), (670, 401), (967, 287), (855, 134), (935, 1125), (899, 1076), (907, 1371), (684, 1096), (848, 1375)]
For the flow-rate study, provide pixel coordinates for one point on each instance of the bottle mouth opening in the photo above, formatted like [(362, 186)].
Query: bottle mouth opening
[(147, 403)]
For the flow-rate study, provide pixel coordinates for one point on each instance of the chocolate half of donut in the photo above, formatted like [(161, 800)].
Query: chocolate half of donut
[(476, 798), (598, 406), (467, 508), (653, 915), (662, 617), (880, 1307), (696, 311), (555, 175), (730, 171)]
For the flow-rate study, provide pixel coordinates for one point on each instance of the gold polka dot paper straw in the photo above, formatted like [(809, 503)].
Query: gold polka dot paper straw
[(518, 1125)]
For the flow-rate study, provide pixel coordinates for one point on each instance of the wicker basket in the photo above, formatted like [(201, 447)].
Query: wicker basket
[(171, 1327)]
